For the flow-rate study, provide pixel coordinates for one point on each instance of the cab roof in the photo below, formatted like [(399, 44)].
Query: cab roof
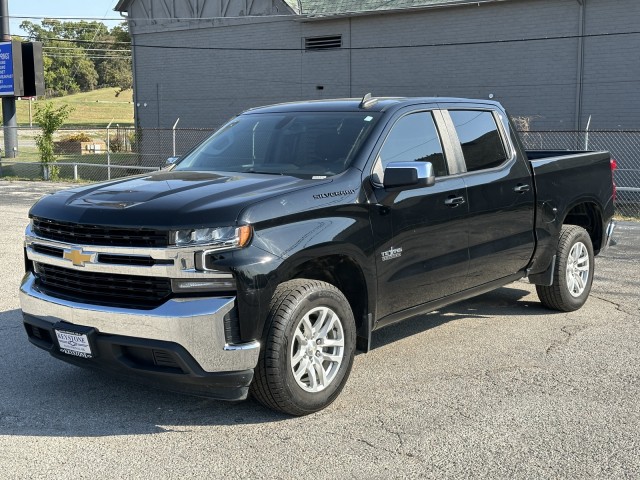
[(380, 104)]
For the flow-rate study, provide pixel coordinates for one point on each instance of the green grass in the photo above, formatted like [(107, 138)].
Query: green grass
[(96, 108)]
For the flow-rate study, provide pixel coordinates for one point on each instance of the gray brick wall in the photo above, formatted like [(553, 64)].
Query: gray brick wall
[(538, 79), (612, 65)]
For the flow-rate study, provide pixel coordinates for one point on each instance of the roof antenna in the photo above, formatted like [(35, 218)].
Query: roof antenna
[(367, 101)]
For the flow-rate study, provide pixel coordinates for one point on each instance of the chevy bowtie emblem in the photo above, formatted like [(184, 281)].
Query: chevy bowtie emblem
[(77, 257)]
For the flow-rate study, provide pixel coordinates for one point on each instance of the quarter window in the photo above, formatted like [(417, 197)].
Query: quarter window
[(414, 138), (481, 142)]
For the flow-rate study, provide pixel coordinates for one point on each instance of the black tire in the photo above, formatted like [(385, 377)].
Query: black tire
[(559, 296), (274, 384)]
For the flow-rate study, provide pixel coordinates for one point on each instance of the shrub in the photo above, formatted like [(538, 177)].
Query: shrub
[(50, 120), (115, 144)]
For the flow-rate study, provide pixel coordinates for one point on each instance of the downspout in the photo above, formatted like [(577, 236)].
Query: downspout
[(350, 60), (580, 71), (136, 99)]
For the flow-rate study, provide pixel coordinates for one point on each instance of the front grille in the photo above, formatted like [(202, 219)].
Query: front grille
[(99, 235), (103, 288), (47, 250), (135, 260)]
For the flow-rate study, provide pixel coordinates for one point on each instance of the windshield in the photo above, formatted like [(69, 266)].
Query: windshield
[(302, 144)]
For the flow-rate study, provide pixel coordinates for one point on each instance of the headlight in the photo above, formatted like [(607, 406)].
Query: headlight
[(221, 238)]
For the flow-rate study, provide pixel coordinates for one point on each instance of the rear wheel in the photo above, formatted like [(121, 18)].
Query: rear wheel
[(308, 350), (573, 273)]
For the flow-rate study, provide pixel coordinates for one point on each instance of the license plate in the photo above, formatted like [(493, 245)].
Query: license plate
[(75, 344)]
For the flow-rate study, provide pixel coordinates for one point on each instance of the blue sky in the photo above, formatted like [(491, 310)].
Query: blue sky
[(59, 8)]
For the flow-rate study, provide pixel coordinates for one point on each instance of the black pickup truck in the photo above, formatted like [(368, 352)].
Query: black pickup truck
[(262, 259)]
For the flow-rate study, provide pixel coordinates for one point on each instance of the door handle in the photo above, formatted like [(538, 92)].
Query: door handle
[(454, 201), (521, 188)]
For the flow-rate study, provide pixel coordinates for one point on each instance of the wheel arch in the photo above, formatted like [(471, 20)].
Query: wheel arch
[(588, 215), (344, 273)]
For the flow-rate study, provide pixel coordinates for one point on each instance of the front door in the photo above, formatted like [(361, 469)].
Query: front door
[(421, 234)]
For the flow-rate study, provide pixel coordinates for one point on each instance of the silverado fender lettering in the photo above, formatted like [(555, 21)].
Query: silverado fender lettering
[(334, 194), (171, 291)]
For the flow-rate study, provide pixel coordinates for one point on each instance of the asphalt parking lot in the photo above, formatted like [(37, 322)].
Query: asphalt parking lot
[(493, 387)]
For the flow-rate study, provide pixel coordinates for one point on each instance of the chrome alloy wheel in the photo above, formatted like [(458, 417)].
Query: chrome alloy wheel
[(577, 269), (317, 349)]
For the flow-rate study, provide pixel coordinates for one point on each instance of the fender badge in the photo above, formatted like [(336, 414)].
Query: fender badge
[(341, 193), (391, 253)]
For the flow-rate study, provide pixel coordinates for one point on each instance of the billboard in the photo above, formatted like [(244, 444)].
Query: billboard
[(7, 86), (11, 76)]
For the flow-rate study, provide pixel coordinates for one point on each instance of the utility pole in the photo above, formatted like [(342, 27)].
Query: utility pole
[(8, 103)]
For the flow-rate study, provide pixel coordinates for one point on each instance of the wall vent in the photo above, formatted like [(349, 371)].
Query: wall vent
[(323, 43)]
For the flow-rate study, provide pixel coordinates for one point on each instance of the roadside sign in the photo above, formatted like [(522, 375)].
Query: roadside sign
[(6, 69)]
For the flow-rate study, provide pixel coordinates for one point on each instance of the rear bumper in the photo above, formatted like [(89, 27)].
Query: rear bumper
[(179, 345)]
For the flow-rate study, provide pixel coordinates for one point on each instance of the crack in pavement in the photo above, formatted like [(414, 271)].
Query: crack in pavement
[(399, 450), (569, 334), (10, 327), (618, 306)]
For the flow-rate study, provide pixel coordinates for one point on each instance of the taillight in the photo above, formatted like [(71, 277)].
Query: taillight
[(614, 165)]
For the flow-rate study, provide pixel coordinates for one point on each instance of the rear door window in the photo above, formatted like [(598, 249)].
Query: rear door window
[(480, 139)]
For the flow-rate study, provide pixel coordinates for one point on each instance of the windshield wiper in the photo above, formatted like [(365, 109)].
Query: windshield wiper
[(253, 170)]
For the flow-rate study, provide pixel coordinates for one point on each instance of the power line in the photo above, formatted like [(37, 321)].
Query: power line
[(91, 57), (87, 49), (371, 47), (72, 40), (391, 47), (49, 17)]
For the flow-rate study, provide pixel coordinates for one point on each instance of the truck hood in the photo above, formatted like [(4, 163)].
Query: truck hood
[(167, 199)]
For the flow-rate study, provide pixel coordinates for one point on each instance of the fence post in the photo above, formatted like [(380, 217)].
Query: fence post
[(75, 172), (586, 134), (109, 151), (174, 136)]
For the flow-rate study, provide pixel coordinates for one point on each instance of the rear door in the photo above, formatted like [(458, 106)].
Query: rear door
[(421, 234), (500, 194)]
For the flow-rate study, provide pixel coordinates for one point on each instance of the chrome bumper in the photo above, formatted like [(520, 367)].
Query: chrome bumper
[(195, 323)]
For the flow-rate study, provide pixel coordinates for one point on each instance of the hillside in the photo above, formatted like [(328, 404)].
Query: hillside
[(95, 108)]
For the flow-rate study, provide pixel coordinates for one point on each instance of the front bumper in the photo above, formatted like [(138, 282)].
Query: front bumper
[(180, 344)]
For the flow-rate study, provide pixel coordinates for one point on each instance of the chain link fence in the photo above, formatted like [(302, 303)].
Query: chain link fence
[(92, 154)]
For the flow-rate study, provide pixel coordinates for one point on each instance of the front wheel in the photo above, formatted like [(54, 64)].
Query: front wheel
[(573, 273), (308, 350)]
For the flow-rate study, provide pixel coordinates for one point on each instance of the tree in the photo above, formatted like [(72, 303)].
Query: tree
[(116, 73), (69, 71), (117, 70), (50, 120), (94, 59)]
